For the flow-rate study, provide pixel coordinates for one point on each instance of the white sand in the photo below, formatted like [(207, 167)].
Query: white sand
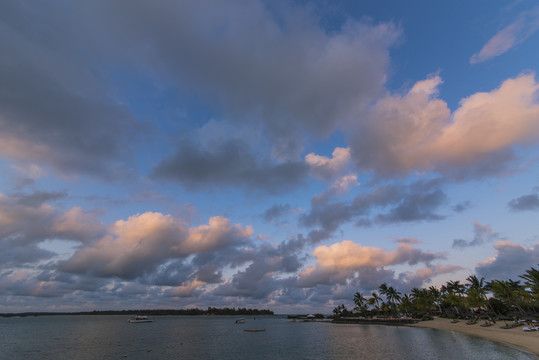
[(515, 336)]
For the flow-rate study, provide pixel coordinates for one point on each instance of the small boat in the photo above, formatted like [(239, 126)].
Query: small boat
[(240, 321), (254, 330), (140, 319)]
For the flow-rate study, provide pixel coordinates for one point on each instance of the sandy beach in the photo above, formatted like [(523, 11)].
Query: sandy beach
[(516, 336)]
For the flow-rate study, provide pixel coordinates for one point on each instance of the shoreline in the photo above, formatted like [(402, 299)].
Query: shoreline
[(516, 337)]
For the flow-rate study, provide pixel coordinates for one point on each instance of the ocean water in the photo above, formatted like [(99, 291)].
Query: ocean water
[(218, 337)]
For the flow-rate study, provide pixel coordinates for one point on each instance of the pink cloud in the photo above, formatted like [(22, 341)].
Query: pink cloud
[(341, 261), (139, 244), (328, 168), (417, 131)]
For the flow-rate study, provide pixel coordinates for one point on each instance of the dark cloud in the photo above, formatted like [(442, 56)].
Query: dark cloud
[(482, 234), (461, 207), (12, 255), (55, 107), (230, 164), (525, 203), (416, 207), (38, 197), (407, 241), (24, 224), (172, 273), (276, 211), (416, 202), (511, 260), (203, 44)]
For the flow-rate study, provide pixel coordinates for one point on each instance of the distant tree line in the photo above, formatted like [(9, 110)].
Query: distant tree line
[(494, 299), (154, 312)]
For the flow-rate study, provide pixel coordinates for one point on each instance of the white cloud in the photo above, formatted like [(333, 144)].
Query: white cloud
[(510, 36)]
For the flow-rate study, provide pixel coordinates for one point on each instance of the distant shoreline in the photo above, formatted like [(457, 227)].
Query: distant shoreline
[(375, 321), (515, 337), (151, 312)]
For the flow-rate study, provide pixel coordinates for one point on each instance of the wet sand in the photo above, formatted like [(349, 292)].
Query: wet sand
[(516, 336)]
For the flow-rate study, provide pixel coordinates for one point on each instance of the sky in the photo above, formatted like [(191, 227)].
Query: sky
[(278, 154)]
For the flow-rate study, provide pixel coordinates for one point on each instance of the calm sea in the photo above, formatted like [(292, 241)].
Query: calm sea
[(218, 337)]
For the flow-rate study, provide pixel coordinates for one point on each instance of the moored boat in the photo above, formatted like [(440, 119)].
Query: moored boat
[(140, 319)]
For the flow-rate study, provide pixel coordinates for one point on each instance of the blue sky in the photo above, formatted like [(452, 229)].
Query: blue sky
[(268, 154)]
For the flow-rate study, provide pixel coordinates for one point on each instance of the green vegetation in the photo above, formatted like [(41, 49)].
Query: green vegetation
[(156, 312), (496, 299)]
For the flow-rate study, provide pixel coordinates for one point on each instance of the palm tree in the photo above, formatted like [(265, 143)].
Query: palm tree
[(393, 297), (453, 295), (509, 292), (436, 296), (340, 310), (532, 282), (383, 289), (422, 300), (375, 300), (476, 292), (360, 302), (406, 305)]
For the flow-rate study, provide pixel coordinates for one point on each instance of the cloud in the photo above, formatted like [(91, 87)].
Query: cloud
[(407, 241), (229, 164), (56, 111), (462, 206), (340, 261), (266, 273), (269, 66), (276, 211), (23, 223), (329, 168), (417, 131), (387, 203), (78, 224), (528, 202), (510, 36), (138, 245), (37, 198), (511, 260), (438, 269), (341, 185), (27, 221), (482, 234)]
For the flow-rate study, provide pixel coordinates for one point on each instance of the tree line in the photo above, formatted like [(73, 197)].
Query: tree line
[(495, 299), (155, 312)]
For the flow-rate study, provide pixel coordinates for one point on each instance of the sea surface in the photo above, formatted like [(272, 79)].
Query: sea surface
[(218, 337)]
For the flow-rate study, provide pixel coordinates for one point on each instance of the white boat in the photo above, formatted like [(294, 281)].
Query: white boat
[(140, 319), (240, 321)]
